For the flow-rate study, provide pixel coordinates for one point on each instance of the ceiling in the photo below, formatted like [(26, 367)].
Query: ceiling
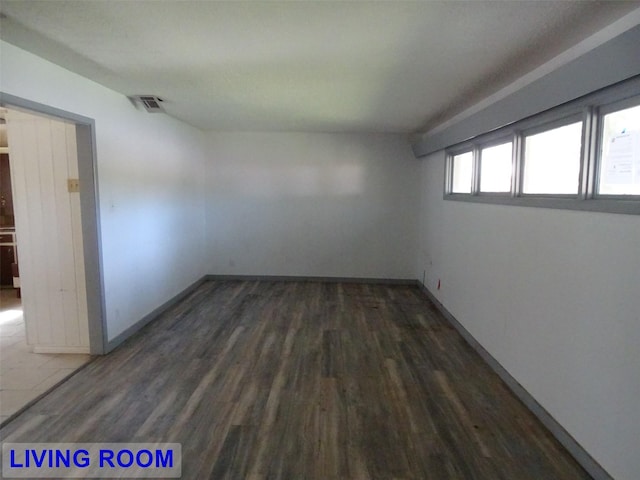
[(359, 66)]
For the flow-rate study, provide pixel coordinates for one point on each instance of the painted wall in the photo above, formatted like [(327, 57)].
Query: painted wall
[(341, 205), (554, 296), (150, 182)]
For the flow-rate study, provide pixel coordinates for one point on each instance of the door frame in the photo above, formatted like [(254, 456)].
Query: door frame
[(89, 211)]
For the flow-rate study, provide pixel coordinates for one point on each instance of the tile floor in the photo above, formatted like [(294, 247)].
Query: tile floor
[(25, 375)]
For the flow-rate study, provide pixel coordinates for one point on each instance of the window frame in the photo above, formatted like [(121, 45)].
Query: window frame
[(449, 171), (590, 110), (494, 142), (547, 127), (603, 110)]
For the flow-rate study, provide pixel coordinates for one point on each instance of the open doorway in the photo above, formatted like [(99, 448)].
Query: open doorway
[(50, 320)]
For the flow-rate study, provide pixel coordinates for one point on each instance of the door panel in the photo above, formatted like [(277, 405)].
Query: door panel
[(43, 156)]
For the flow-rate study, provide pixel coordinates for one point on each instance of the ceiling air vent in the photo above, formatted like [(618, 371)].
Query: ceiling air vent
[(151, 103)]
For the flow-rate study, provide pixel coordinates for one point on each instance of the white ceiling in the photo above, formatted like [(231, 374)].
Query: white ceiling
[(394, 66)]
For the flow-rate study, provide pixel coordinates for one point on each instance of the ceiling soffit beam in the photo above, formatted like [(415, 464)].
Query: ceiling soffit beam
[(603, 59)]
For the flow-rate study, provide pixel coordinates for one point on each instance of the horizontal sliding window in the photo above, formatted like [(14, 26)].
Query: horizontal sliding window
[(462, 172), (495, 168), (552, 161), (620, 154), (582, 155)]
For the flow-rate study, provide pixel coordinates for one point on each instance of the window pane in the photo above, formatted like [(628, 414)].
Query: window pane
[(462, 168), (495, 168), (620, 156), (552, 160)]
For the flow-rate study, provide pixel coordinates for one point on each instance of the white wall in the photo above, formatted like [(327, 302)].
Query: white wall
[(342, 205), (150, 182), (277, 203), (554, 296)]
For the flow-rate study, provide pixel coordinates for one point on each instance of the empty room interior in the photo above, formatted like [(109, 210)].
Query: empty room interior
[(324, 240)]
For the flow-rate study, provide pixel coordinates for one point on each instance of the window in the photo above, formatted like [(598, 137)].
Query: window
[(620, 153), (552, 161), (462, 173), (495, 168), (582, 155)]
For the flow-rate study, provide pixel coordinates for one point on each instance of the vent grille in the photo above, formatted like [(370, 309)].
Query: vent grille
[(151, 103)]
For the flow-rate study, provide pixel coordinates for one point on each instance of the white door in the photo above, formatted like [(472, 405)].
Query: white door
[(44, 167)]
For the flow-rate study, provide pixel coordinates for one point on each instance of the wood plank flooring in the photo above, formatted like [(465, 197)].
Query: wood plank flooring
[(296, 380)]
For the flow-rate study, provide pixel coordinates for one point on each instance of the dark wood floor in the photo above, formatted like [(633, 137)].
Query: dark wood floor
[(304, 381)]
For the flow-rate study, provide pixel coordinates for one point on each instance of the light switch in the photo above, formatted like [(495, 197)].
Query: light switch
[(73, 185)]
